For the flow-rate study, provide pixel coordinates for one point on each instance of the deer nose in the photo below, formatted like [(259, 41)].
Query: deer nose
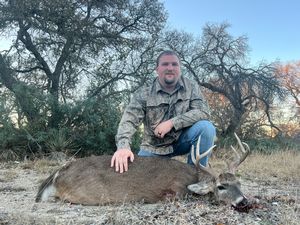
[(240, 202)]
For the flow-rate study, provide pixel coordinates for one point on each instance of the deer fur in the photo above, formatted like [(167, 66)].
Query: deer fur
[(91, 181)]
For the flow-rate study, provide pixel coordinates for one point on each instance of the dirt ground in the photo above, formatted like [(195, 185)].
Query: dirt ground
[(277, 201)]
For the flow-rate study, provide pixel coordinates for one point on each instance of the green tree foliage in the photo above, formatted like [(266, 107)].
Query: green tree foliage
[(69, 57), (59, 43)]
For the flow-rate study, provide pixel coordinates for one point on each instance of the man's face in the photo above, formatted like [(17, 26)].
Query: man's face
[(168, 70)]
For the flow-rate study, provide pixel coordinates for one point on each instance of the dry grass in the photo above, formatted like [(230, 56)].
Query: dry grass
[(41, 165), (284, 165), (267, 177), (9, 175)]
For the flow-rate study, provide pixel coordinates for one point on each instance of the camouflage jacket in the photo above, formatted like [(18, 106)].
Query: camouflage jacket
[(151, 105)]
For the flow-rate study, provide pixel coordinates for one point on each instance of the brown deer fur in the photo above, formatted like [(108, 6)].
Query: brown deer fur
[(91, 181)]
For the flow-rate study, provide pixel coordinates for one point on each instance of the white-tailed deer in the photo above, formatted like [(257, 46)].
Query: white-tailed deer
[(91, 180)]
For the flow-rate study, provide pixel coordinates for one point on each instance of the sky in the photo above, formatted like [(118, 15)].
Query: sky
[(272, 26)]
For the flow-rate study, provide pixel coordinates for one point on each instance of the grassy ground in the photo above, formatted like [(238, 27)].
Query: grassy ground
[(284, 165), (273, 181)]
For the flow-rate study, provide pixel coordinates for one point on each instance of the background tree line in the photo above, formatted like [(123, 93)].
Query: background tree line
[(72, 66)]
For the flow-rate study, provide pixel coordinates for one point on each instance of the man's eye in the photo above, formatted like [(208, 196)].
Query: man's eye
[(174, 64)]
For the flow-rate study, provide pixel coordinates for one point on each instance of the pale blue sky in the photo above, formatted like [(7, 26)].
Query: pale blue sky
[(272, 26)]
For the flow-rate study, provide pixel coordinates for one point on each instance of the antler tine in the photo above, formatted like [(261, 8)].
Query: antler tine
[(193, 155), (245, 151), (199, 156), (197, 159), (239, 158)]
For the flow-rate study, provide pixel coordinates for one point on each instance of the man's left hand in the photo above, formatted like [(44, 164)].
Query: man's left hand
[(163, 128)]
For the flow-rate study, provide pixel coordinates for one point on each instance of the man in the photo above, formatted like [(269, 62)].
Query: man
[(174, 113)]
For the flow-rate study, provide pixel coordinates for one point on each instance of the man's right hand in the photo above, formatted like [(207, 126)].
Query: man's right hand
[(120, 159)]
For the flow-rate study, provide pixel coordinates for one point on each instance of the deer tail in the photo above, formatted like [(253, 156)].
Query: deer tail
[(47, 188)]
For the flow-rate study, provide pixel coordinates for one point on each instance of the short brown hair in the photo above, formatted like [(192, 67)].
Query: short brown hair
[(166, 52)]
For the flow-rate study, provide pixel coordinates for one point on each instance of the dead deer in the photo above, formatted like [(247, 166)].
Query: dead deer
[(91, 180)]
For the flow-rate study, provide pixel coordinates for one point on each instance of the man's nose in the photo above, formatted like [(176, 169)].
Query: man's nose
[(170, 67)]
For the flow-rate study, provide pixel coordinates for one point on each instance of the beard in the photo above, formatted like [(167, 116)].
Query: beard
[(170, 80)]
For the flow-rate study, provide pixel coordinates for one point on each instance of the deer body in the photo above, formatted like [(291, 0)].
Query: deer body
[(91, 180)]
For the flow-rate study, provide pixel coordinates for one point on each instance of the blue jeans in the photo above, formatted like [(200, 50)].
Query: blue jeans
[(190, 137)]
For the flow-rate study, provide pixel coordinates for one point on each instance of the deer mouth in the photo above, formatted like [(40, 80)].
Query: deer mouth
[(241, 205)]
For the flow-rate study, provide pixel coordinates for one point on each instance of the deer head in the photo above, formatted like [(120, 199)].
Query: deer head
[(225, 186)]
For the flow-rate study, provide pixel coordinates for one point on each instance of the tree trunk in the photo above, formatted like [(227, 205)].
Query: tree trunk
[(234, 122), (21, 92), (55, 117)]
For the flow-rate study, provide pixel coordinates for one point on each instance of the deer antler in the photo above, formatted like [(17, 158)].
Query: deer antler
[(239, 158), (208, 179), (199, 157)]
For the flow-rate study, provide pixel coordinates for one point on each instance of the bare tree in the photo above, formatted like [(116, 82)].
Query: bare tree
[(289, 75), (218, 62)]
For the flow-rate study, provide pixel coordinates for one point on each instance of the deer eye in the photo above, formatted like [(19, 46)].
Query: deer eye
[(221, 187)]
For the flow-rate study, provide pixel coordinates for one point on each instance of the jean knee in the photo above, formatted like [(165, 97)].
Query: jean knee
[(207, 132), (145, 153), (206, 128)]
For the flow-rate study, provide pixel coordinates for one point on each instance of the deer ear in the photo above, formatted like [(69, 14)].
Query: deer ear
[(200, 188)]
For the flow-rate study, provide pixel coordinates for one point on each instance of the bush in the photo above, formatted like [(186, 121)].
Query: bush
[(88, 127)]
